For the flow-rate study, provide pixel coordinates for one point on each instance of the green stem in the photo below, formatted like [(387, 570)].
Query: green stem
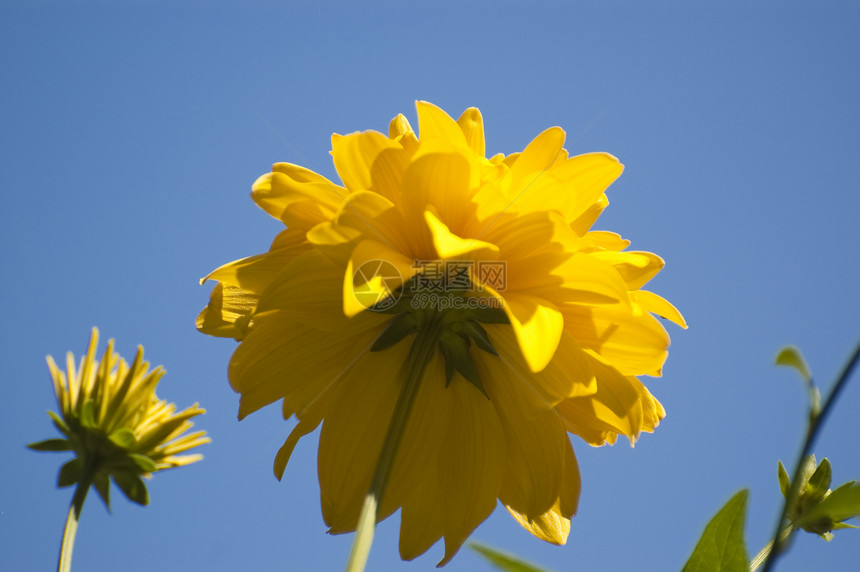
[(765, 552), (71, 529), (422, 351), (816, 422)]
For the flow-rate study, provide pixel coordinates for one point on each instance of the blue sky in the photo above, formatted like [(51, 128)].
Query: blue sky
[(131, 134)]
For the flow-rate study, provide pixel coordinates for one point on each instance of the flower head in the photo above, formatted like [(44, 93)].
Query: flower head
[(116, 425), (540, 324)]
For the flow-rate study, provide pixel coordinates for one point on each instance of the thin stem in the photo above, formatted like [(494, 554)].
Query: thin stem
[(422, 351), (71, 529), (765, 552), (811, 434)]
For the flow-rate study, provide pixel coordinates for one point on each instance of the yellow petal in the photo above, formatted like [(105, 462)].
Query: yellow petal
[(569, 373), (297, 196), (440, 180), (301, 429), (534, 447), (450, 246), (352, 435), (554, 525), (470, 466), (655, 304), (615, 408), (570, 187), (435, 125), (537, 325), (228, 313), (373, 275), (472, 124), (305, 291), (538, 155), (370, 161), (256, 273), (282, 358), (422, 519), (632, 341), (422, 438)]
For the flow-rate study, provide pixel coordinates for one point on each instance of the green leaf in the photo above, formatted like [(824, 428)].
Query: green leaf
[(721, 547), (88, 414), (841, 504), (397, 329), (819, 482), (69, 473), (61, 425), (143, 462), (790, 356), (51, 445), (122, 437), (784, 481), (133, 487), (102, 484), (504, 561)]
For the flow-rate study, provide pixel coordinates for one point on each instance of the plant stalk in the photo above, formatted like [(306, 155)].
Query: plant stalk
[(422, 351), (815, 425)]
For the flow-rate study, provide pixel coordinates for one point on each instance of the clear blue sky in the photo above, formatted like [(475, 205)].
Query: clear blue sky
[(130, 134)]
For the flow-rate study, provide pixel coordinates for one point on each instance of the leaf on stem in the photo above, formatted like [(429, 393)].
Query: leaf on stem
[(504, 561), (722, 547)]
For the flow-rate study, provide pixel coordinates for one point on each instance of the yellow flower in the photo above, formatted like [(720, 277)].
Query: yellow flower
[(430, 234), (116, 425)]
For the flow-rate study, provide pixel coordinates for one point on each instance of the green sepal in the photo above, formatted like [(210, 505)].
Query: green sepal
[(69, 473), (504, 561), (479, 334), (102, 484), (61, 425), (51, 445), (88, 414), (142, 462), (132, 487), (122, 437), (809, 466), (397, 329), (840, 505), (819, 482), (722, 547), (455, 348), (784, 481)]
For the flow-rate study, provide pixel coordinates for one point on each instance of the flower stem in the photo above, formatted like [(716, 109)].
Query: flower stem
[(71, 529), (765, 552), (816, 422), (422, 351)]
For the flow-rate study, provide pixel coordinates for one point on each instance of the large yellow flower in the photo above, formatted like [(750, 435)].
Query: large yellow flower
[(430, 235)]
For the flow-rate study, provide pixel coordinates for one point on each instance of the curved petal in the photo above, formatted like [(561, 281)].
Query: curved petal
[(634, 342), (554, 525), (297, 196), (569, 373), (472, 124), (373, 276), (228, 313), (449, 246), (617, 407), (570, 187), (534, 451), (537, 325), (538, 156), (370, 161), (282, 358), (352, 434), (655, 304), (471, 465)]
